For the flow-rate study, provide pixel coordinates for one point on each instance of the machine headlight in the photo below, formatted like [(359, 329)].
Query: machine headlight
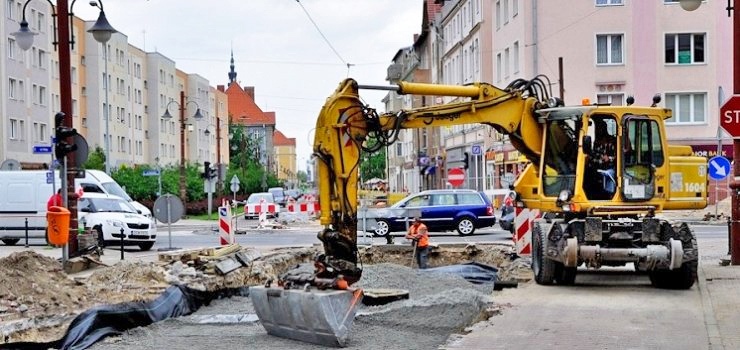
[(114, 223), (564, 195)]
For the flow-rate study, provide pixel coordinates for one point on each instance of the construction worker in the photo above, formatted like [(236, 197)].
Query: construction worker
[(419, 235)]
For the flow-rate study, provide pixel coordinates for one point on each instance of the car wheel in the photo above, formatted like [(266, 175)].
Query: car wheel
[(382, 228), (101, 237), (146, 246), (11, 241), (465, 226)]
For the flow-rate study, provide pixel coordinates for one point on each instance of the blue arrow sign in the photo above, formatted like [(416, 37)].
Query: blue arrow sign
[(41, 149), (153, 172), (719, 168)]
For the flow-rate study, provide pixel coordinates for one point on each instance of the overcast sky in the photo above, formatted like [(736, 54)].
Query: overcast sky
[(276, 47)]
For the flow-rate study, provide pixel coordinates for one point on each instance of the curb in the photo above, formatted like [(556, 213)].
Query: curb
[(710, 321)]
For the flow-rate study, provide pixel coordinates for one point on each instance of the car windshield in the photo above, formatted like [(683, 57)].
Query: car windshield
[(115, 205), (116, 190), (277, 192), (257, 197)]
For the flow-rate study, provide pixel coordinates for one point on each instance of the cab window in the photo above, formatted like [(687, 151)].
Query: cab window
[(642, 153), (561, 152)]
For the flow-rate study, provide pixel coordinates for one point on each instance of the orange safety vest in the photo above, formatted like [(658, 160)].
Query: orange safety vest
[(423, 237)]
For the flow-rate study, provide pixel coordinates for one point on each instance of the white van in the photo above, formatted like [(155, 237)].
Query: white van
[(24, 194)]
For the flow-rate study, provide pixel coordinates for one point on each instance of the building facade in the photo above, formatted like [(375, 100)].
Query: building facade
[(285, 159)]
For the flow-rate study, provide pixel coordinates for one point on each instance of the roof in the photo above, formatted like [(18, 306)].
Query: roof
[(279, 139), (243, 109)]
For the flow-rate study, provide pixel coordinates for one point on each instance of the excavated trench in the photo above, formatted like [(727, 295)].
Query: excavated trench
[(439, 305)]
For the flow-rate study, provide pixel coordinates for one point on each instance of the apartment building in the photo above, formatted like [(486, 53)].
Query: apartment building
[(285, 158), (128, 121)]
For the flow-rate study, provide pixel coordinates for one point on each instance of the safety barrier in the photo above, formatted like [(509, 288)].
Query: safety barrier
[(523, 221), (225, 232)]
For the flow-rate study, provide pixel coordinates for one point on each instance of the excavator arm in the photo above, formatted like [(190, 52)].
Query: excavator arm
[(345, 124)]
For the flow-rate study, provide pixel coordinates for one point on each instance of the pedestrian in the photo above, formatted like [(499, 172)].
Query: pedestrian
[(55, 200), (419, 236)]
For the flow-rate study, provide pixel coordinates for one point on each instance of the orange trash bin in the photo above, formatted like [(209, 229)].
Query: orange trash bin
[(57, 221)]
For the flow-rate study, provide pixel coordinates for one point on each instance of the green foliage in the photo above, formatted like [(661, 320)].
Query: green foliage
[(96, 160), (302, 176), (141, 187), (373, 165)]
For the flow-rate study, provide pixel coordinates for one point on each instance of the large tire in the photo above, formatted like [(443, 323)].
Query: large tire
[(144, 246), (544, 269), (683, 277), (565, 276), (382, 228), (465, 226), (11, 241)]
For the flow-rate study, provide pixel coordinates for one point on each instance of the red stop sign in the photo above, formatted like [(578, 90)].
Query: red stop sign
[(729, 116), (456, 177)]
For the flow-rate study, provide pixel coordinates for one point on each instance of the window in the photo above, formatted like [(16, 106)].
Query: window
[(684, 48), (42, 95), (41, 22), (641, 152), (9, 8), (468, 199), (516, 57), (42, 59), (506, 11), (506, 63), (498, 14), (610, 99), (14, 129), (498, 67), (11, 48), (608, 2), (609, 49), (12, 89), (443, 199), (687, 107)]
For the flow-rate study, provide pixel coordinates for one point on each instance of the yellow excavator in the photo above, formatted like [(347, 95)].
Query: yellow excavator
[(600, 174)]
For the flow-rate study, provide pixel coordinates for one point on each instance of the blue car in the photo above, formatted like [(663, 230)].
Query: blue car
[(440, 210)]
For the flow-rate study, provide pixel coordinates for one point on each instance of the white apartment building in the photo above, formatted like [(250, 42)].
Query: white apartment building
[(26, 77)]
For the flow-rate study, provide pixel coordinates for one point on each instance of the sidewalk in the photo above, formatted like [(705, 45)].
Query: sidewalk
[(715, 302)]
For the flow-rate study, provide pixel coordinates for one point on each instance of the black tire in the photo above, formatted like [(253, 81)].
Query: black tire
[(144, 246), (681, 278), (543, 268), (382, 228), (101, 237), (566, 276), (11, 241), (465, 226)]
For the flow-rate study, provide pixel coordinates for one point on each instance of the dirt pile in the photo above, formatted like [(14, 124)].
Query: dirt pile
[(128, 281)]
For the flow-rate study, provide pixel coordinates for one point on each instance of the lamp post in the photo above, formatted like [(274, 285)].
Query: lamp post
[(197, 116), (219, 183), (24, 38), (691, 5), (102, 35)]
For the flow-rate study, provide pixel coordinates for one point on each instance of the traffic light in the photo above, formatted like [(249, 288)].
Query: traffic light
[(206, 171), (466, 160), (211, 173), (62, 147)]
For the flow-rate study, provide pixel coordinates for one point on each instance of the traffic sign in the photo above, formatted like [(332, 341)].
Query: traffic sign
[(719, 168), (476, 150), (150, 172), (730, 116), (41, 149), (49, 177), (456, 177)]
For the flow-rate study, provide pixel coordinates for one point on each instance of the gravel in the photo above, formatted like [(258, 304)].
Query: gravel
[(439, 305)]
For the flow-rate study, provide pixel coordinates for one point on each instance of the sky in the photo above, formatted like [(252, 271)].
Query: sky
[(277, 49)]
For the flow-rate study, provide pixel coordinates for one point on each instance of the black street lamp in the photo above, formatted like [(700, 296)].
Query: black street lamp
[(197, 116)]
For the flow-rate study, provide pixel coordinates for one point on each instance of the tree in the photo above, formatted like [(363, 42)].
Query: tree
[(372, 165), (302, 176), (96, 160)]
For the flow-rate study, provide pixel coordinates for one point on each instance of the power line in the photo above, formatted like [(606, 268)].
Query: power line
[(220, 60), (322, 34)]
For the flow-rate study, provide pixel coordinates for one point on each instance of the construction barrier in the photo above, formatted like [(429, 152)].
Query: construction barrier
[(225, 233), (303, 207), (523, 221), (259, 208)]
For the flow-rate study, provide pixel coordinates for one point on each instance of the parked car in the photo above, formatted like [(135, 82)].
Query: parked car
[(261, 197), (279, 194), (507, 212), (294, 193), (107, 216), (440, 210)]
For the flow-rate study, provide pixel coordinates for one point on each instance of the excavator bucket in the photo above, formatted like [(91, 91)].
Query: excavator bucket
[(321, 317)]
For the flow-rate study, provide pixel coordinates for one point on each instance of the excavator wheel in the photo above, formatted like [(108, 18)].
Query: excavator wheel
[(543, 268), (683, 277)]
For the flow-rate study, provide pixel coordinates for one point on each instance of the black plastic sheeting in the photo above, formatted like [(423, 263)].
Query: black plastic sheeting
[(102, 321), (472, 272)]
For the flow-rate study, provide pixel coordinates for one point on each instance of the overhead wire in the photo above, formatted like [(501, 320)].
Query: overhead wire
[(323, 36)]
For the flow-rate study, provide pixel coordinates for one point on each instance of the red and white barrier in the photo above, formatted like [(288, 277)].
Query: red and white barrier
[(225, 233), (523, 222), (303, 207), (259, 208)]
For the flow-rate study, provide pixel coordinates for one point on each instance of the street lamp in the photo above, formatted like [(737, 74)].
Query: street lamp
[(196, 116), (691, 5), (24, 38), (102, 32)]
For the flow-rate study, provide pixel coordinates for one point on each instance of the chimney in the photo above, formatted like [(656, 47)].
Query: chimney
[(250, 91), (220, 88)]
